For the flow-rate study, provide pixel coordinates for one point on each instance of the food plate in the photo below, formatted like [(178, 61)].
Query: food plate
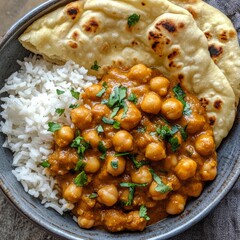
[(228, 159)]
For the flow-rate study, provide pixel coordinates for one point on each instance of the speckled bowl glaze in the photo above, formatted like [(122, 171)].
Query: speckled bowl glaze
[(64, 226)]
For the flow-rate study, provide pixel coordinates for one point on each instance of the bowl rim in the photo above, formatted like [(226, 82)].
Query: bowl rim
[(53, 4)]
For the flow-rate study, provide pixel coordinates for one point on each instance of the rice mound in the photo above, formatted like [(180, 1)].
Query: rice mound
[(31, 103)]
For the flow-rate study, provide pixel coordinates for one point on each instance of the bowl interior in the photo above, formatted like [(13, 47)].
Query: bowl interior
[(228, 168)]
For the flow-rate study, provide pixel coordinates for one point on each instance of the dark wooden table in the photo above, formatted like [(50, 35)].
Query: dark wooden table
[(13, 226)]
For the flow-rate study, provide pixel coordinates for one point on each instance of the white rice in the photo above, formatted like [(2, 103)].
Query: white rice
[(31, 103)]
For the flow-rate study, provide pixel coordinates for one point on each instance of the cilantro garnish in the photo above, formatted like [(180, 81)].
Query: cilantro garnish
[(93, 195), (114, 164), (115, 123), (137, 164), (99, 94), (133, 98), (100, 129), (174, 143), (121, 154), (95, 66), (180, 95), (128, 184), (143, 213), (59, 92), (141, 129), (81, 146), (133, 19), (45, 164), (102, 149), (81, 179), (80, 165), (74, 106), (53, 127), (114, 112), (60, 111), (161, 187), (75, 94)]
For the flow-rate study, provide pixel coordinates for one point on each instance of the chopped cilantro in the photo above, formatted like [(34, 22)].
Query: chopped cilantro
[(59, 111), (80, 165), (116, 97), (108, 120), (102, 149), (53, 127), (121, 154), (136, 163), (81, 146), (100, 129), (141, 129), (164, 132), (116, 125), (95, 66), (114, 112), (183, 133), (143, 213), (125, 109), (99, 94), (114, 164), (59, 92), (180, 95), (174, 143), (74, 106), (93, 195), (128, 184), (161, 187), (133, 19), (45, 164), (81, 179), (75, 94), (133, 98)]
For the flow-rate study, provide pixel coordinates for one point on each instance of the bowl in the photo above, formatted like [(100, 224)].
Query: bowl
[(63, 226)]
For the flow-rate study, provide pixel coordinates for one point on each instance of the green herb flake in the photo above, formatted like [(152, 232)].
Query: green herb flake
[(100, 129), (137, 164), (164, 132), (81, 146), (125, 109), (141, 129), (143, 213), (99, 94), (174, 143), (128, 184), (45, 164), (133, 19), (93, 195), (161, 187), (183, 133), (53, 127), (81, 179), (75, 94), (114, 164), (108, 120), (95, 66), (80, 165), (60, 92), (102, 149), (114, 112), (121, 154), (116, 125), (59, 111), (180, 95), (73, 106), (133, 98)]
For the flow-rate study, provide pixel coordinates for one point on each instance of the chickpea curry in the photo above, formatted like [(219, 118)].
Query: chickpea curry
[(141, 146)]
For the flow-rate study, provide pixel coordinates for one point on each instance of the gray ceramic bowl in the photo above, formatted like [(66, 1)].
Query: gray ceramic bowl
[(64, 226)]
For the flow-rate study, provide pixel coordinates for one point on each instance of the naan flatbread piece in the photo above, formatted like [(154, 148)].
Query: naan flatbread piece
[(166, 37)]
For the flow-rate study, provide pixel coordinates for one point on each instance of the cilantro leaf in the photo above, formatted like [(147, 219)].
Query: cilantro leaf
[(174, 143), (102, 149), (81, 179), (53, 127), (45, 164), (164, 132), (100, 93), (141, 129), (183, 133), (80, 165), (108, 120), (121, 154), (95, 66), (125, 109), (143, 213), (81, 146), (59, 111), (59, 92), (128, 184), (114, 164), (74, 106), (116, 125), (133, 98), (93, 195), (114, 112), (133, 19), (100, 129), (75, 94), (137, 164), (161, 187)]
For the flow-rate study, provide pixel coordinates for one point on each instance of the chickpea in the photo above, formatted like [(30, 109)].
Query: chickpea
[(170, 162), (132, 118), (194, 189), (173, 182), (142, 175), (81, 117), (99, 111), (209, 170), (140, 72), (176, 204), (155, 194), (142, 140), (84, 222), (92, 137), (155, 151), (92, 164), (115, 165), (92, 91), (123, 141), (151, 103), (204, 144), (64, 136), (172, 109), (160, 85), (72, 193), (195, 123), (108, 195), (186, 168)]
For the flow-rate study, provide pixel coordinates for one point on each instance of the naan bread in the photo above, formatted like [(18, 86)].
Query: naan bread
[(166, 37), (222, 39)]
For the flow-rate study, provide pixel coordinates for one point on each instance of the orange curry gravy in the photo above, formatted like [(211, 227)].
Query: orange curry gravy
[(140, 148)]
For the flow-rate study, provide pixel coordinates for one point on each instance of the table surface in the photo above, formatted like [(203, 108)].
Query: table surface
[(222, 222)]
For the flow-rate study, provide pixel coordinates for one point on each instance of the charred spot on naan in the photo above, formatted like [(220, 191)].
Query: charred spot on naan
[(215, 51), (225, 36), (208, 35), (74, 10), (173, 54), (75, 35), (91, 26), (72, 44), (218, 104), (204, 102), (211, 120)]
